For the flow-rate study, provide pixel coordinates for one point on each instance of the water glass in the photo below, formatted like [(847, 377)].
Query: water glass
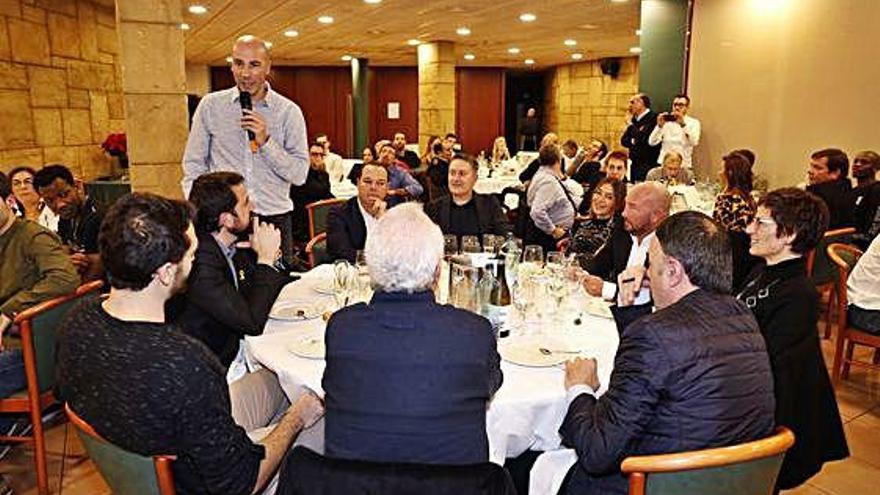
[(450, 244), (491, 243), (534, 254), (470, 244), (342, 282), (556, 259)]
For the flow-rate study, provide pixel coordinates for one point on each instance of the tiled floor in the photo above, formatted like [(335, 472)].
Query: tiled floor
[(858, 399)]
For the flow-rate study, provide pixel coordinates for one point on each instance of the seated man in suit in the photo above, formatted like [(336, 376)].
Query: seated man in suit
[(350, 224), (828, 177), (407, 379), (230, 291), (462, 211), (647, 204), (693, 375)]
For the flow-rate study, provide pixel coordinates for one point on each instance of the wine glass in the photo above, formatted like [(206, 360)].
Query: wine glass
[(556, 258), (533, 254), (490, 243), (470, 244), (341, 282), (450, 244)]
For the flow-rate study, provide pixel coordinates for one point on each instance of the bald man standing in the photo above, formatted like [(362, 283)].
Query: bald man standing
[(266, 145)]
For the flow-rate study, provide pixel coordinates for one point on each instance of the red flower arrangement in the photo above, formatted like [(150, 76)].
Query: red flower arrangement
[(115, 144)]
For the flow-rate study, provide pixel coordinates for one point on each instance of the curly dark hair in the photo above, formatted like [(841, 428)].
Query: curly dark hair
[(140, 233), (47, 175), (619, 189), (212, 195), (701, 246), (797, 212)]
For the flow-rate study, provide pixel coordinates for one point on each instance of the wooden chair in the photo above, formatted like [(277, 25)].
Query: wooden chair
[(844, 257), (318, 214), (124, 471), (748, 468), (822, 271), (39, 329), (316, 250)]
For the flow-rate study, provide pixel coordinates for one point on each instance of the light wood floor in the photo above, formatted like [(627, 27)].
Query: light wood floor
[(858, 399)]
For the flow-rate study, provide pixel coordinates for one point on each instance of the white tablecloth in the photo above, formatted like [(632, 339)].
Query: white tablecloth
[(525, 413)]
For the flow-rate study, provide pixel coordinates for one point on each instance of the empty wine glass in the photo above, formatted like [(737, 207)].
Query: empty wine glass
[(450, 244), (556, 258), (342, 282), (470, 244)]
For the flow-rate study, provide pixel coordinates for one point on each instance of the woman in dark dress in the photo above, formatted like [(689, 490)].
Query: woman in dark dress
[(789, 223), (590, 233), (315, 188)]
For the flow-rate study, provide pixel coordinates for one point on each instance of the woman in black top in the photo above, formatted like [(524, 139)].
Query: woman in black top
[(590, 233), (789, 223)]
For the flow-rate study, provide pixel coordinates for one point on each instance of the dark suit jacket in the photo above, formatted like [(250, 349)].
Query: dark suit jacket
[(409, 380), (213, 311), (837, 194), (346, 231), (490, 216), (693, 375), (315, 188), (635, 138), (411, 158)]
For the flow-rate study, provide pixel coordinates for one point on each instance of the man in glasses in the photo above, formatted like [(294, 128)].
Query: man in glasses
[(677, 131)]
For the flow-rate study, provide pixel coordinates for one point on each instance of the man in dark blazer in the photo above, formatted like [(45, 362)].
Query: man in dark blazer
[(407, 379), (462, 211), (230, 291), (635, 138), (828, 177), (647, 204), (349, 224), (680, 374)]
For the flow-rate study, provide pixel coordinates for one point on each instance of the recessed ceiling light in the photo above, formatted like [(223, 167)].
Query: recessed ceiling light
[(228, 60), (577, 56), (619, 1), (469, 56), (463, 31), (413, 42), (638, 32), (268, 44), (184, 26), (635, 49), (528, 17), (291, 33), (372, 2), (570, 42), (513, 50), (529, 61), (588, 26), (346, 58), (325, 19), (197, 9)]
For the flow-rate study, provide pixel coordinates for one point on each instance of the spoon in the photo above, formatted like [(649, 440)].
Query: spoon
[(548, 352)]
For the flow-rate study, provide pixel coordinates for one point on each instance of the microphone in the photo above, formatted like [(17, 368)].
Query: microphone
[(244, 99)]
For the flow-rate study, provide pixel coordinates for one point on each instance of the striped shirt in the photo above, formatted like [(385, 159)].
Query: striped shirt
[(218, 143)]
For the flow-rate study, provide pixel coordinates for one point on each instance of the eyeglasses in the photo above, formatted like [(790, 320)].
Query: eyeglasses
[(764, 221), (317, 154)]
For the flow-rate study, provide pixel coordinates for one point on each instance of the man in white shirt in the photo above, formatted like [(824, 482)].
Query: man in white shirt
[(861, 291), (332, 161), (677, 131)]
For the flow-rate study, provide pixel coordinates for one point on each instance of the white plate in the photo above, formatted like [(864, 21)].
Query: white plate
[(325, 288), (600, 308), (308, 347), (525, 352), (297, 312)]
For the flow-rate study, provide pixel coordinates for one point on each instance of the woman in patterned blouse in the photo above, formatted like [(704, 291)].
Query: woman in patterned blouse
[(591, 232), (734, 207)]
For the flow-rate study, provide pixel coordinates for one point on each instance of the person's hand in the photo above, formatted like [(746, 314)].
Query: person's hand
[(558, 233), (661, 119), (629, 283), (308, 407), (5, 322), (593, 285), (379, 207), (80, 260), (253, 121), (265, 242), (580, 371)]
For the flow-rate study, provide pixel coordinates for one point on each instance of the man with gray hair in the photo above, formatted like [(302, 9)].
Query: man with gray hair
[(407, 379), (261, 136)]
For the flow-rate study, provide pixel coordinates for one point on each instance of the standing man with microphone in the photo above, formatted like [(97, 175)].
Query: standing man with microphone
[(254, 131)]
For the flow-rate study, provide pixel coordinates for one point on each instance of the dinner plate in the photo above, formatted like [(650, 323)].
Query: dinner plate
[(297, 312), (308, 347), (526, 352), (325, 288)]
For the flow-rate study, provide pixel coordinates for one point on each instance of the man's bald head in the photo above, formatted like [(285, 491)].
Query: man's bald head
[(647, 204), (252, 42), (251, 65)]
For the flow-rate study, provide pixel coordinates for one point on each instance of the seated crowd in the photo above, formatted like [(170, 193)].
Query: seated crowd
[(710, 308)]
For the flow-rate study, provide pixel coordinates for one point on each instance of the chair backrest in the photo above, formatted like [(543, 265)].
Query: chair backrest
[(124, 471), (748, 468), (843, 257), (318, 214), (308, 473), (819, 267), (316, 250), (39, 331)]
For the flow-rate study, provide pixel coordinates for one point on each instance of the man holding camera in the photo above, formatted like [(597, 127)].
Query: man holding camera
[(677, 131)]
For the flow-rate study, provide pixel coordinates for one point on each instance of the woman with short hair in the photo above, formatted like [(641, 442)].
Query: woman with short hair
[(26, 202)]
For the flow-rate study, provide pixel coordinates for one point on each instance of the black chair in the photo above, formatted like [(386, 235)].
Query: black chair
[(306, 473)]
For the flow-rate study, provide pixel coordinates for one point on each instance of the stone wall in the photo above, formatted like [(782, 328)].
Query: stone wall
[(581, 103), (60, 84)]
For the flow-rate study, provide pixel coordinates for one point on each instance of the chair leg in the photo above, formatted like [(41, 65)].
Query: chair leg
[(828, 320), (850, 346), (40, 452), (876, 355), (838, 355)]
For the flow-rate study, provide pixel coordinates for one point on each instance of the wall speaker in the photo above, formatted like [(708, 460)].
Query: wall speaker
[(610, 67)]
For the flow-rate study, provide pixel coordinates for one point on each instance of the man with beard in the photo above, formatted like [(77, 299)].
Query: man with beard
[(231, 290), (410, 158), (142, 383)]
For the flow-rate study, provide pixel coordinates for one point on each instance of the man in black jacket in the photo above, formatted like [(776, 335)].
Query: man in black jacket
[(462, 211), (828, 176), (680, 374), (409, 157), (230, 291), (349, 224), (635, 138)]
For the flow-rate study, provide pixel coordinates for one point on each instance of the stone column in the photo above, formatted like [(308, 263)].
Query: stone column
[(436, 89), (154, 88), (360, 92)]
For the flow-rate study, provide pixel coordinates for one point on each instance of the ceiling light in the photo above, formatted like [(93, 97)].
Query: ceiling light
[(372, 2), (268, 44), (469, 56), (413, 42), (577, 56), (588, 26), (619, 1), (638, 32), (325, 19), (570, 42), (197, 9), (635, 49), (184, 26), (463, 31), (346, 58), (530, 61), (513, 50), (528, 17), (291, 33)]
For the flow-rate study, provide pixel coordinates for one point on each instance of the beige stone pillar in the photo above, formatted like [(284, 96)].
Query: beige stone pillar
[(154, 87), (436, 89)]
